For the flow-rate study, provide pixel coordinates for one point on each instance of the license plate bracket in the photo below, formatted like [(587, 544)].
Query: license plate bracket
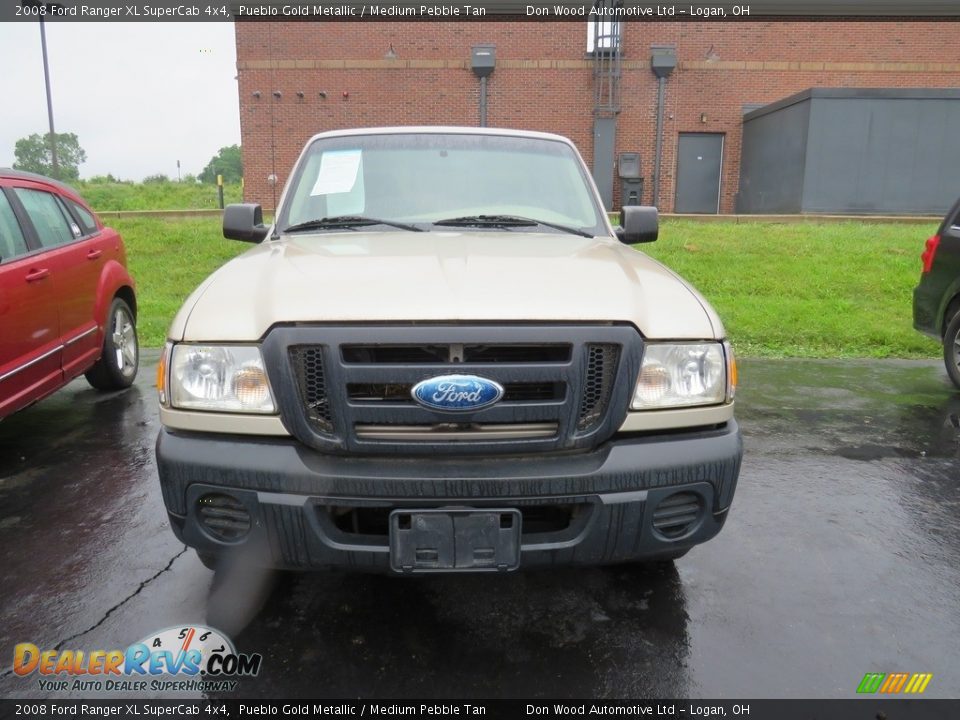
[(454, 540)]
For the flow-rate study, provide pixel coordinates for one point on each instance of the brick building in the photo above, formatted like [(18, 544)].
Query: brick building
[(296, 79)]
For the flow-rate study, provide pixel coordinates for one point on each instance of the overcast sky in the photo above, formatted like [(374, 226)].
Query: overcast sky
[(139, 96)]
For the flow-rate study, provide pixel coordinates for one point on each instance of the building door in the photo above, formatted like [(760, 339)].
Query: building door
[(699, 159), (604, 133)]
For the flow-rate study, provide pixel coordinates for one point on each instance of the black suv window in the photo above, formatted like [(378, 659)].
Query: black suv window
[(12, 242), (48, 217)]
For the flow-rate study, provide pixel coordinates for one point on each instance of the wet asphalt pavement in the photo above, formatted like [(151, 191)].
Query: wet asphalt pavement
[(840, 557)]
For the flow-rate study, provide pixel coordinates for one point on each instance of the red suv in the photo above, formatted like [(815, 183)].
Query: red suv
[(67, 302)]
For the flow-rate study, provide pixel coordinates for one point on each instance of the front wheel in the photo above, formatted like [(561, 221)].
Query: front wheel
[(951, 349), (120, 358)]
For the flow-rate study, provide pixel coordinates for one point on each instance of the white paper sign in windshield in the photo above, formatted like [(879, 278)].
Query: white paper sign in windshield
[(338, 172)]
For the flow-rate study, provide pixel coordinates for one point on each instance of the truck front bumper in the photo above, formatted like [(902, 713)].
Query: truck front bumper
[(284, 505)]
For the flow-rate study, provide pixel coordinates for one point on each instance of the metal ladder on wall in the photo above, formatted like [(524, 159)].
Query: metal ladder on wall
[(606, 60)]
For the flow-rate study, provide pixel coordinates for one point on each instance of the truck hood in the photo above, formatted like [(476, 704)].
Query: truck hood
[(442, 276)]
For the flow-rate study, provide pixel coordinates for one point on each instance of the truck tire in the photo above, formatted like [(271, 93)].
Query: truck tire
[(951, 349), (119, 360)]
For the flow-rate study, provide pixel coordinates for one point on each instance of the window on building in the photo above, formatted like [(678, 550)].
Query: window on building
[(603, 35)]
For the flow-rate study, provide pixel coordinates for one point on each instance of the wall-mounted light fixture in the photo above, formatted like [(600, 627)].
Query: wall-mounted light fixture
[(390, 54), (323, 94), (277, 94), (256, 94), (483, 60), (300, 94), (703, 117)]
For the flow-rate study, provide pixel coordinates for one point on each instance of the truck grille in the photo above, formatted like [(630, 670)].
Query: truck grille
[(456, 431), (598, 384), (348, 389), (428, 354), (400, 393), (307, 363)]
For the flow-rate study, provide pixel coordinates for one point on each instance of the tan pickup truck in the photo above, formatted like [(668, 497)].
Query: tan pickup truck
[(442, 357)]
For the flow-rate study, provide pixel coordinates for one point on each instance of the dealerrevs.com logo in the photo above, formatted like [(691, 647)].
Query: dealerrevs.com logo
[(186, 658)]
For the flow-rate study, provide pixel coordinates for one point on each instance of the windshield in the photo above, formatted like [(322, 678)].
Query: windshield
[(429, 177)]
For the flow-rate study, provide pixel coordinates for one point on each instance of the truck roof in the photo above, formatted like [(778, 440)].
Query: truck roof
[(441, 130)]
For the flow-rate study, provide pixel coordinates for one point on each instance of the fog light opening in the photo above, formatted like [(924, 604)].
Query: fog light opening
[(677, 515), (224, 517)]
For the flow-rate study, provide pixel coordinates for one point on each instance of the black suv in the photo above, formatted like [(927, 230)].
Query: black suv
[(936, 300)]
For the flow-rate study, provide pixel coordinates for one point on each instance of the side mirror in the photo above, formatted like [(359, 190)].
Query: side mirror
[(638, 224), (244, 222)]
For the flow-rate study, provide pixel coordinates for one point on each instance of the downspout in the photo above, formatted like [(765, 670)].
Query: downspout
[(657, 155), (663, 59), (483, 101)]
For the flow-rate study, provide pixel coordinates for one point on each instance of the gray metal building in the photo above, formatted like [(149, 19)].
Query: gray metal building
[(852, 151)]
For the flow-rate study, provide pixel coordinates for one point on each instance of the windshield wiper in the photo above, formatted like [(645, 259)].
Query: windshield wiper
[(507, 221), (348, 221)]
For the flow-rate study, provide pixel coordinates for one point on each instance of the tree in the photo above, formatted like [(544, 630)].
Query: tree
[(33, 155), (103, 179), (227, 162)]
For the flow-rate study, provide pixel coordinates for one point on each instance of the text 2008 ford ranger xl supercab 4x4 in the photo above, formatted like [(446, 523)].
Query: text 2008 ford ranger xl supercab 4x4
[(442, 357)]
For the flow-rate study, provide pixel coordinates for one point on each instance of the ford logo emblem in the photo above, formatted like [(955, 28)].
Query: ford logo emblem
[(458, 393)]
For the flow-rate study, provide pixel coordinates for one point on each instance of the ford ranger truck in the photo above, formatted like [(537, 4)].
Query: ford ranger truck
[(442, 357)]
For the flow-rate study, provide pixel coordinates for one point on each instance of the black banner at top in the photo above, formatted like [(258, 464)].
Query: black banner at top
[(220, 709), (474, 10)]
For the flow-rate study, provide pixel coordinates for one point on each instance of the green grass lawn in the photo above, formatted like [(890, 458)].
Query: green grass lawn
[(794, 290), (168, 259), (805, 289), (103, 196)]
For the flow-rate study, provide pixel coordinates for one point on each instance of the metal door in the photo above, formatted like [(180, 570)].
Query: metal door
[(604, 134), (699, 160)]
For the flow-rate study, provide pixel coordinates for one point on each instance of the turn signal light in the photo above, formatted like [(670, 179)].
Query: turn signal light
[(732, 374), (162, 374), (929, 252)]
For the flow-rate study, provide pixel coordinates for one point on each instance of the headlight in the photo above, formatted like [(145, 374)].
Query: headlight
[(226, 378), (680, 375)]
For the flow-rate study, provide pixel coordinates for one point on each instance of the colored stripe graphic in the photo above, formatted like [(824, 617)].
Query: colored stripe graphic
[(893, 683), (918, 683), (889, 682), (871, 682), (901, 681)]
